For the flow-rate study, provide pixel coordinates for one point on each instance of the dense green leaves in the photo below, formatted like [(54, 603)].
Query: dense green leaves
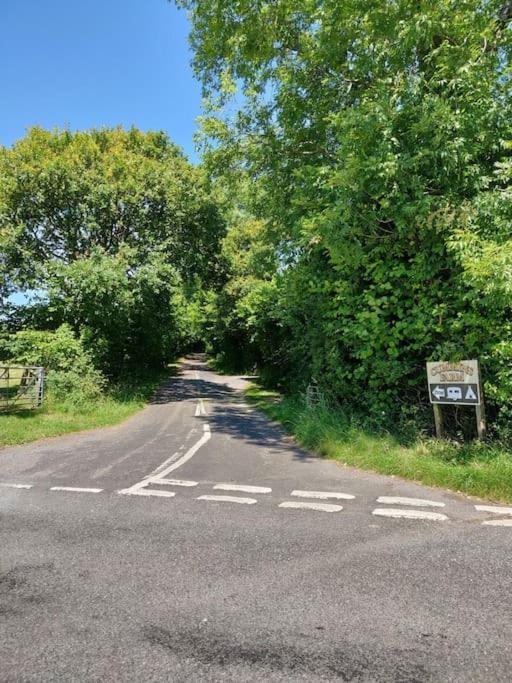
[(116, 232), (373, 136)]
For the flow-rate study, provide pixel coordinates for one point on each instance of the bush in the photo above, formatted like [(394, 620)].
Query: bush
[(71, 375)]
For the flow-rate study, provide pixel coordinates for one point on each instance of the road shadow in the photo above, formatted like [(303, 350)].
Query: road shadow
[(228, 412), (253, 428)]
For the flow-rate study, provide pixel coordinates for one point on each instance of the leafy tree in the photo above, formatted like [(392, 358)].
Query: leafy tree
[(373, 135), (62, 194), (114, 230)]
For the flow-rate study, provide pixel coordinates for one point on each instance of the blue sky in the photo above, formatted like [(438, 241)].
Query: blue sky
[(93, 63)]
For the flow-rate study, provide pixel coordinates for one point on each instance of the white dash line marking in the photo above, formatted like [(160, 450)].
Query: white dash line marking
[(410, 514), (229, 499), (243, 488), (200, 409), (494, 509), (173, 482), (75, 489), (323, 495), (18, 486), (321, 507), (147, 492), (498, 522), (417, 502)]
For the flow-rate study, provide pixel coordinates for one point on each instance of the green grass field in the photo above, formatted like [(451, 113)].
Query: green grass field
[(56, 418), (475, 468)]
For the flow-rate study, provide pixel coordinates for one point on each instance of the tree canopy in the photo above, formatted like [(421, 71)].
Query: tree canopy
[(114, 229), (375, 139)]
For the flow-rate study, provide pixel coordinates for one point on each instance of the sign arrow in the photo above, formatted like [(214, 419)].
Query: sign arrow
[(438, 392)]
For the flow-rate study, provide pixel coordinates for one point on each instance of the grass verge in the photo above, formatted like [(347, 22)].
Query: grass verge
[(477, 469), (61, 417)]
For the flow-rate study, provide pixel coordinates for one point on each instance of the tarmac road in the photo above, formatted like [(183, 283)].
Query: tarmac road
[(196, 542)]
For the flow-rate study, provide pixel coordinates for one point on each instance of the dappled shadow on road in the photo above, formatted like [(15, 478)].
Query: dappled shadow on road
[(233, 420), (184, 386), (185, 389), (228, 413)]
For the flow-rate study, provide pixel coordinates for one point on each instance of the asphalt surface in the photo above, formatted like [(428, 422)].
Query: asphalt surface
[(127, 582)]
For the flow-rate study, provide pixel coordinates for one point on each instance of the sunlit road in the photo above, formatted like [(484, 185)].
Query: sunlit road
[(196, 542)]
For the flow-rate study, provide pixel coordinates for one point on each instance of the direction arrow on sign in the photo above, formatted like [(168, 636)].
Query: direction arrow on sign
[(438, 392)]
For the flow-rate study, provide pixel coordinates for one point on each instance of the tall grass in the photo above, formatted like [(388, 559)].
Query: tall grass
[(477, 469)]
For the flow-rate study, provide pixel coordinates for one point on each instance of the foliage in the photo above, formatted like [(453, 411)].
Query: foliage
[(71, 376), (372, 142), (115, 232)]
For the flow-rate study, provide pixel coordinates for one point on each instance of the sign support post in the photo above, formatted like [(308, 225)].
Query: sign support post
[(481, 424), (438, 419)]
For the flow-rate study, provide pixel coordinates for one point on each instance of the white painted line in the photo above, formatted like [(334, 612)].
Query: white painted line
[(229, 499), (494, 509), (18, 486), (323, 495), (245, 489), (416, 502), (152, 478), (200, 409), (410, 514), (172, 458), (498, 522), (75, 489), (173, 482), (322, 507), (147, 492)]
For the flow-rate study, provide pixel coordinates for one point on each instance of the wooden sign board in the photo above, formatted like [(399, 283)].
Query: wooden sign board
[(454, 383)]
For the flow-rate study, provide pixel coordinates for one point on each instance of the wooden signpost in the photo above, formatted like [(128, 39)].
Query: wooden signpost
[(456, 384)]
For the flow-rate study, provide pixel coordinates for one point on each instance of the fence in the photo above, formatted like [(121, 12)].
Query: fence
[(21, 387)]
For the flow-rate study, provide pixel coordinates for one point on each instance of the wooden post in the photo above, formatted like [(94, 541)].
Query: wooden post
[(438, 419), (481, 424)]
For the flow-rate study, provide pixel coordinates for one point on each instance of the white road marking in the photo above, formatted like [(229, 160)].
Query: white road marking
[(498, 522), (416, 502), (323, 495), (172, 458), (245, 489), (147, 492), (173, 482), (152, 479), (200, 409), (229, 499), (18, 486), (494, 509), (322, 507), (410, 514), (75, 489)]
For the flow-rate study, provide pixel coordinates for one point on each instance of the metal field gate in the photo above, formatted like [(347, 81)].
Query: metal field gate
[(21, 387)]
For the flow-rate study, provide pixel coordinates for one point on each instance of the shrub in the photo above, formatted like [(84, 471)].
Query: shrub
[(71, 376)]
